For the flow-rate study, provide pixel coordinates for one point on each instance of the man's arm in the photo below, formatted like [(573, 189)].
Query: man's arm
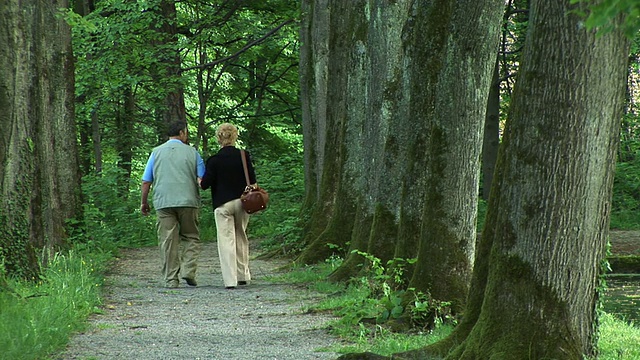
[(147, 179), (200, 168), (144, 204)]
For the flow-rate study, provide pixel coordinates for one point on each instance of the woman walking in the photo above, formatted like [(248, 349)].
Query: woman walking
[(224, 174)]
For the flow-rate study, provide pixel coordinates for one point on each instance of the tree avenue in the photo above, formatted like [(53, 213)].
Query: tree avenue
[(393, 99), (533, 292)]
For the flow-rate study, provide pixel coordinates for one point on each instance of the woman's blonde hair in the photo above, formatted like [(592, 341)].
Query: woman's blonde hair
[(227, 134)]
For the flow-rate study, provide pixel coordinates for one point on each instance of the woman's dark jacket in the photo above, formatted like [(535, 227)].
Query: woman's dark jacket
[(225, 176)]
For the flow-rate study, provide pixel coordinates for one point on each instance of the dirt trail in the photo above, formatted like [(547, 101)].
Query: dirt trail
[(142, 320), (265, 320), (625, 242)]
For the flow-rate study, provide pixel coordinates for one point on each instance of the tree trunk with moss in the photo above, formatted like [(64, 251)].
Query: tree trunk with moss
[(376, 129), (324, 60), (534, 289), (39, 169), (450, 78), (406, 89), (314, 38)]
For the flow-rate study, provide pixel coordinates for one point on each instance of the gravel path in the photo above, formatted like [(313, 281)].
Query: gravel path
[(142, 320)]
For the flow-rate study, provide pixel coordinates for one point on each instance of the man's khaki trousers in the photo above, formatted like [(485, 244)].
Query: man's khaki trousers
[(233, 244), (179, 240)]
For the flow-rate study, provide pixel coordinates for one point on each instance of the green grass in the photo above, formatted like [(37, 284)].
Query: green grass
[(384, 342), (625, 220), (37, 319), (619, 340)]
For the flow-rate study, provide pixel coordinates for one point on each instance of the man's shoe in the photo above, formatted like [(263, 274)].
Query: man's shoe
[(229, 287), (242, 283), (190, 282)]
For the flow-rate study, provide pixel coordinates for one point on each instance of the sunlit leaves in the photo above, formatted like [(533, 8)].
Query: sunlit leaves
[(601, 15)]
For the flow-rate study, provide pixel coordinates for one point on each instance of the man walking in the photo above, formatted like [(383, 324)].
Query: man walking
[(175, 170)]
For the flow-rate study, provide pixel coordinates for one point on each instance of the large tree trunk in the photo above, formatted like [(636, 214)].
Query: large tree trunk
[(451, 74), (314, 57), (407, 85), (373, 94), (534, 287), (40, 180), (325, 60)]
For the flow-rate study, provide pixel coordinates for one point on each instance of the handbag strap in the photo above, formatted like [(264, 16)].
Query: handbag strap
[(244, 165)]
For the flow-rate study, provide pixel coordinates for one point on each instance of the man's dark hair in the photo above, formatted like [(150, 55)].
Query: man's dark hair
[(175, 128)]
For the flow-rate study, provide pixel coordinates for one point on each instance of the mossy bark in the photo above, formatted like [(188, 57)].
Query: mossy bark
[(403, 132), (314, 37), (337, 232), (533, 292), (332, 214), (456, 61), (352, 264), (39, 176), (491, 139)]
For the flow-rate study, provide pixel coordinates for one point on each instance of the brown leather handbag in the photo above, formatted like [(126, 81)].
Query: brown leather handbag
[(254, 198)]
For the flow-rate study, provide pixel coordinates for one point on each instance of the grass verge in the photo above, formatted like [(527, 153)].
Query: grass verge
[(37, 318), (618, 339)]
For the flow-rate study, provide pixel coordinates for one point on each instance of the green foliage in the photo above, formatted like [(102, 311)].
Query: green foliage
[(429, 314), (38, 318), (603, 13), (383, 279), (256, 83), (358, 310), (279, 226), (379, 296), (626, 189), (386, 343), (112, 219)]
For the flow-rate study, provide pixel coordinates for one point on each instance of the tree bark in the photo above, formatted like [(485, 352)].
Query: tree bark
[(533, 292), (314, 71), (451, 74), (96, 139), (174, 106), (491, 139), (124, 144), (40, 179), (331, 214), (407, 83)]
